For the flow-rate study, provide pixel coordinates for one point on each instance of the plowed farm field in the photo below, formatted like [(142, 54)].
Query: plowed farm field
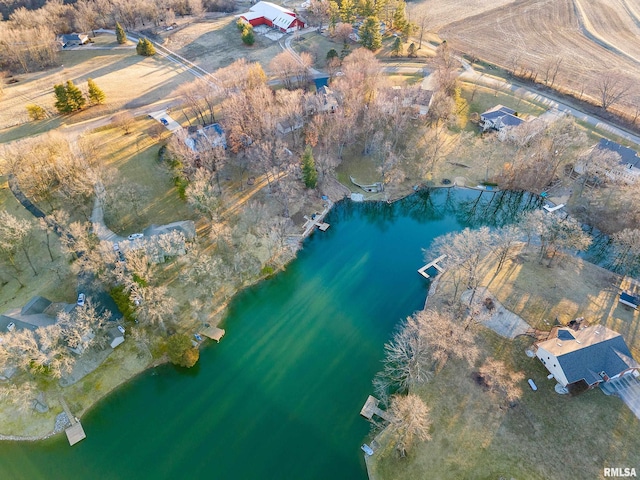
[(589, 36)]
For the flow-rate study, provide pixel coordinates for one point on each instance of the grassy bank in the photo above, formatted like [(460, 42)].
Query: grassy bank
[(545, 435)]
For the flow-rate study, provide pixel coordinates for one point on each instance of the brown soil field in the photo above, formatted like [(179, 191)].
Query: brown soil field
[(590, 37), (442, 13)]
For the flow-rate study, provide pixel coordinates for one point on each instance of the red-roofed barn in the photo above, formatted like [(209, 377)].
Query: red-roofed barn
[(272, 15)]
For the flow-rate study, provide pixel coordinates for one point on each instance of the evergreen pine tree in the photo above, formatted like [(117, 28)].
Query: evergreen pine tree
[(331, 54), (309, 173), (121, 36), (145, 48), (396, 50), (62, 105), (96, 95), (411, 53), (75, 99), (247, 35), (399, 18), (150, 49), (346, 50), (370, 36)]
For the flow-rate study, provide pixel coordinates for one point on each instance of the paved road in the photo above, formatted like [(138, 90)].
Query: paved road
[(553, 104)]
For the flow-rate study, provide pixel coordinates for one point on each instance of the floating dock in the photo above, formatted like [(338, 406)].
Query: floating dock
[(370, 409), (214, 333), (434, 264), (75, 433)]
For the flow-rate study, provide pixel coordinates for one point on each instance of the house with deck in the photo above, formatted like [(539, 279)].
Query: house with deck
[(582, 358), (274, 16), (629, 165)]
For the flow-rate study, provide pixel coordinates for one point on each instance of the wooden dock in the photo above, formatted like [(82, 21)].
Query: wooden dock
[(75, 432), (214, 333), (370, 409), (434, 264)]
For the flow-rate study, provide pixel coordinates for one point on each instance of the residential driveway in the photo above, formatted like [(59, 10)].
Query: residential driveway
[(171, 124)]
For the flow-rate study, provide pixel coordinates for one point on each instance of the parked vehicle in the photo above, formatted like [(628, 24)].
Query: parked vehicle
[(164, 121), (121, 328), (135, 236), (81, 300)]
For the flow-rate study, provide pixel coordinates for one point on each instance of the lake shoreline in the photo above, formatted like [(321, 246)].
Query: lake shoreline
[(221, 311)]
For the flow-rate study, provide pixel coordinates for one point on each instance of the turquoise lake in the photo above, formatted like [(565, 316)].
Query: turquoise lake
[(280, 396)]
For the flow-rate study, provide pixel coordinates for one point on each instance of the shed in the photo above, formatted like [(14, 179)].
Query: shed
[(116, 337)]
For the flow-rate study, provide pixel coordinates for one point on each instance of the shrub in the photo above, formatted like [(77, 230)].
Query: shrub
[(181, 351), (36, 112)]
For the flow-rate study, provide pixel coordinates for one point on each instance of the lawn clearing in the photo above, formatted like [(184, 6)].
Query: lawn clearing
[(134, 158), (318, 45), (214, 44)]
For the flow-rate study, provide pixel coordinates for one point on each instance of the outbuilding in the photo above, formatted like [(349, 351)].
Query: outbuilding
[(272, 15)]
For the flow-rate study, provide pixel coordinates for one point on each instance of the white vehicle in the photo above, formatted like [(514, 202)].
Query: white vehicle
[(116, 247), (11, 327), (81, 299), (121, 328), (135, 236)]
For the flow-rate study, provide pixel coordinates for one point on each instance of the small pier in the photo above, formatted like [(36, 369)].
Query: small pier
[(370, 409), (317, 220), (75, 432), (214, 333), (551, 209), (434, 264)]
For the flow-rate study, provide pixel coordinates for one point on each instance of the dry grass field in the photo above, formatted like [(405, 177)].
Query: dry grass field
[(216, 43), (128, 80), (545, 435), (590, 37)]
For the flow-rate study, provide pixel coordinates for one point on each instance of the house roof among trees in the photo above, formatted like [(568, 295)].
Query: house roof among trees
[(628, 156), (585, 353)]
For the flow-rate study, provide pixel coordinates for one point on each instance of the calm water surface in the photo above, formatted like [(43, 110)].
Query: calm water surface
[(279, 397)]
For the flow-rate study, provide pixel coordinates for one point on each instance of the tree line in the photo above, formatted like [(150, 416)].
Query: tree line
[(28, 35)]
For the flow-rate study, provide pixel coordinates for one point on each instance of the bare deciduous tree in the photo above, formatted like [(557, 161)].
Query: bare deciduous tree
[(612, 87), (501, 379), (411, 421)]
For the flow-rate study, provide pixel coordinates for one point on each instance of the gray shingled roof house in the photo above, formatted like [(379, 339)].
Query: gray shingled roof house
[(499, 117), (73, 39), (581, 359)]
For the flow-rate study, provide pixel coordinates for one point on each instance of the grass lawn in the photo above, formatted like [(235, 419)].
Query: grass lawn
[(214, 44), (135, 160), (317, 45), (486, 98), (545, 435)]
